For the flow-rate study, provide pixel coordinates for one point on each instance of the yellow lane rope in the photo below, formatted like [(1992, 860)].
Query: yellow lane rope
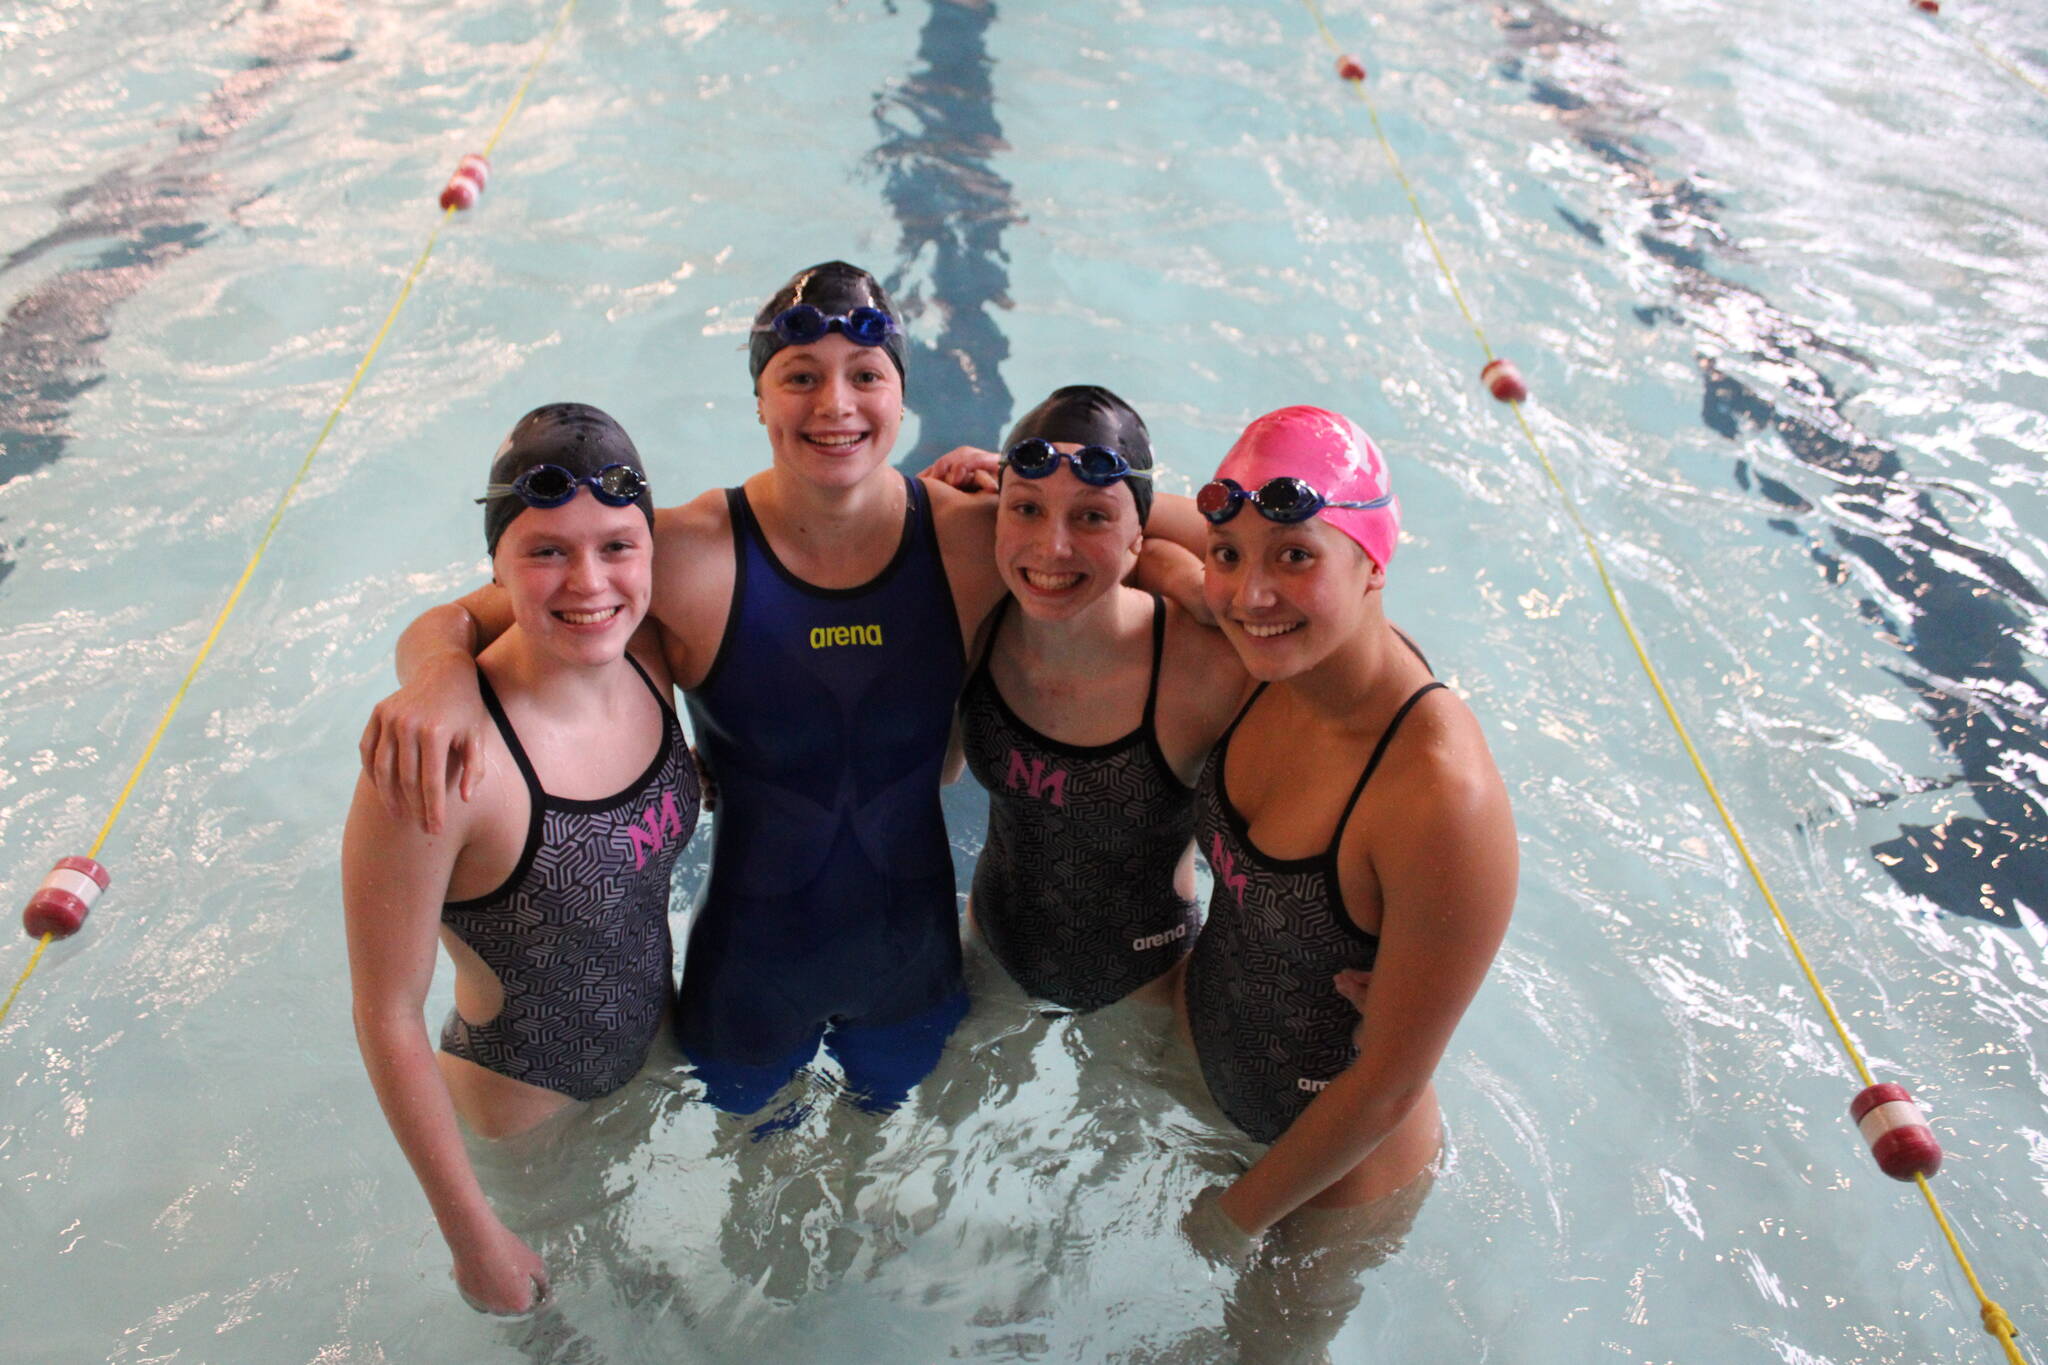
[(1994, 1317), (291, 489), (2011, 68)]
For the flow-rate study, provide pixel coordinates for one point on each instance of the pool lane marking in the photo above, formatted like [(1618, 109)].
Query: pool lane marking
[(1994, 1317), (291, 489)]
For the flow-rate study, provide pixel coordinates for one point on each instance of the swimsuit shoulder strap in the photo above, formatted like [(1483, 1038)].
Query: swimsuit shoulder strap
[(1222, 749), (1414, 649), (995, 627), (1379, 751), (1158, 653), (497, 710), (658, 697), (741, 514)]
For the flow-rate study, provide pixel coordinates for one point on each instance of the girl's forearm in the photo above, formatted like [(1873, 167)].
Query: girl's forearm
[(1340, 1128), (415, 1100)]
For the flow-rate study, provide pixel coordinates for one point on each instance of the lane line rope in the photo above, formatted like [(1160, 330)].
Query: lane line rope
[(1994, 1317), (291, 490)]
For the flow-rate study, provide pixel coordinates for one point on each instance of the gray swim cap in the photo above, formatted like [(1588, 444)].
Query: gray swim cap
[(1090, 415), (835, 289), (573, 436)]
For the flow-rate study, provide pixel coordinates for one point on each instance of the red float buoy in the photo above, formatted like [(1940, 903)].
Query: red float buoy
[(1896, 1132), (466, 185), (1350, 68), (1927, 6), (64, 899), (1504, 381)]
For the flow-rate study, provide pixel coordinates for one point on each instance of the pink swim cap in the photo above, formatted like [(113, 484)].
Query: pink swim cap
[(1331, 455)]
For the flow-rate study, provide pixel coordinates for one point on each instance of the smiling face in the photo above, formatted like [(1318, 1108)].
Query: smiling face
[(832, 410), (1061, 543), (579, 577), (1287, 597)]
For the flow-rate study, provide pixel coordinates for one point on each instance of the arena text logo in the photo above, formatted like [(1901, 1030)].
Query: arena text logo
[(1310, 1085), (1178, 931), (825, 637)]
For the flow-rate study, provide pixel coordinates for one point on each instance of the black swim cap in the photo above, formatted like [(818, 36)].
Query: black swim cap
[(833, 288), (574, 436), (1090, 415)]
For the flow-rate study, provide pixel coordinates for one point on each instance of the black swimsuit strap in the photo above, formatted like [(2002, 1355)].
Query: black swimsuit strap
[(497, 710), (1413, 648), (1158, 653), (659, 699), (996, 617), (1379, 751)]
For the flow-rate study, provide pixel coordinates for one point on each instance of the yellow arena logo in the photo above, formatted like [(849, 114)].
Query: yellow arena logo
[(825, 637)]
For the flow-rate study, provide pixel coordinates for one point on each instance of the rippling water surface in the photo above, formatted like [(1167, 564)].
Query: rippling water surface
[(1775, 273)]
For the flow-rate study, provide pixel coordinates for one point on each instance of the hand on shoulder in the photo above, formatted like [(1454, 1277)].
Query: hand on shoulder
[(967, 468)]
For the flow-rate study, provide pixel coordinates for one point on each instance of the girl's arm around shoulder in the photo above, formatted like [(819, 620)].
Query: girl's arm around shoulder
[(695, 573), (966, 527), (430, 732), (1202, 684)]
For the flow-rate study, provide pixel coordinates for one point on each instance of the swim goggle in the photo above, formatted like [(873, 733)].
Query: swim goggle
[(802, 324), (550, 485), (1286, 500), (1034, 458)]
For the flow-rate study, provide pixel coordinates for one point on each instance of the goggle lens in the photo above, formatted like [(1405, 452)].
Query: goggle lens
[(1289, 500), (1217, 500)]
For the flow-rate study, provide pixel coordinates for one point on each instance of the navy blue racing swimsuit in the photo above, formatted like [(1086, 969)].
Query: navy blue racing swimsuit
[(830, 911), (1270, 1029), (578, 934), (1074, 892)]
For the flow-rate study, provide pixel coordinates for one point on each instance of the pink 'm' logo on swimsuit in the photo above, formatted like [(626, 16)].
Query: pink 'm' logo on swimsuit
[(1040, 782), (662, 823), (1225, 867)]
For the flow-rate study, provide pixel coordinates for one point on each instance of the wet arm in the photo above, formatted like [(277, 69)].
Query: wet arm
[(1169, 570), (393, 879)]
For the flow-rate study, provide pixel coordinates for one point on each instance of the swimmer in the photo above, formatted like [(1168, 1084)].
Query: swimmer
[(1354, 823), (1088, 718), (550, 886)]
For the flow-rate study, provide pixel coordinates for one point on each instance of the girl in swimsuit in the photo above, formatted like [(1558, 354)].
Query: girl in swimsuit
[(550, 887), (1087, 719), (1354, 822)]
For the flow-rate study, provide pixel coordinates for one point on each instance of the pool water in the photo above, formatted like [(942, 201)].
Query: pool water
[(1775, 274)]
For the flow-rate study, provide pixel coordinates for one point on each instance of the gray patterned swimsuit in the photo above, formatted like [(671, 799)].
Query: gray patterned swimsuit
[(578, 934), (1270, 1029), (1074, 892)]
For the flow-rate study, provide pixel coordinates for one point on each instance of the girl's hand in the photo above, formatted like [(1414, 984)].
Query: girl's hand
[(1215, 1235), (1351, 984), (968, 468), (500, 1274), (424, 737)]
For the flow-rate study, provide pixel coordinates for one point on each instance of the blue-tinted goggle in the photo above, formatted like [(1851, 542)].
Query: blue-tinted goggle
[(802, 324), (1100, 466), (1286, 500), (550, 485)]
